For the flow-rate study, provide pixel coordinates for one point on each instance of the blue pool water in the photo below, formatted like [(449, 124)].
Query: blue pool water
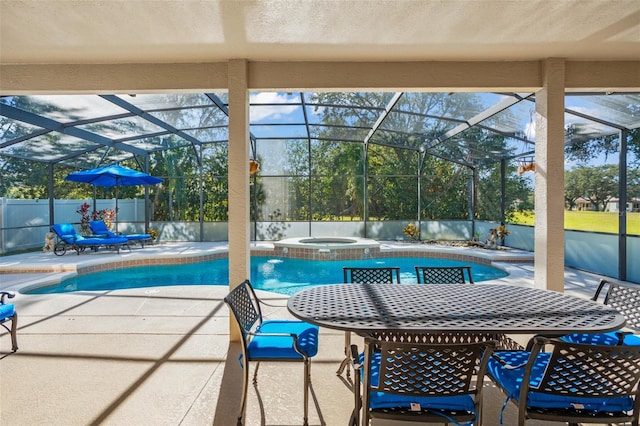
[(279, 275)]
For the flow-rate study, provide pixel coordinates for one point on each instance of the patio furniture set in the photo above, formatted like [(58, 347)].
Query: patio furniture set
[(69, 239), (428, 348)]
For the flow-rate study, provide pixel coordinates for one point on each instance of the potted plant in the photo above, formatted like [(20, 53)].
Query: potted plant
[(154, 233), (412, 231), (502, 232)]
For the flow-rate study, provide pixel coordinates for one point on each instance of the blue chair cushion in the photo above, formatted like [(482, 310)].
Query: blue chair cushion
[(83, 241), (68, 234), (511, 380), (7, 311), (65, 229), (610, 338), (388, 400), (136, 237), (278, 347), (98, 227)]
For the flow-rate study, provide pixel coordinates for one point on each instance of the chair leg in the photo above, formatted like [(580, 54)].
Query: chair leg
[(346, 361), (245, 387), (14, 329), (357, 402), (255, 373), (307, 376)]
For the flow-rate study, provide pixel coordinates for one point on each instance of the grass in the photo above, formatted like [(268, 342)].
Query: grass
[(588, 221)]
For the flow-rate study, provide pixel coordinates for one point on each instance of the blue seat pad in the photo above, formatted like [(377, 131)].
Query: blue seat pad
[(388, 400), (98, 227), (83, 241), (7, 311), (136, 237), (68, 234), (511, 380), (610, 338), (274, 347)]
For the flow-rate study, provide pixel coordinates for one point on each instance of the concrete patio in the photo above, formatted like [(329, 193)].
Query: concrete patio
[(161, 355)]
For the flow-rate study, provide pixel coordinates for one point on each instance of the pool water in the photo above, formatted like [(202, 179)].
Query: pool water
[(279, 275)]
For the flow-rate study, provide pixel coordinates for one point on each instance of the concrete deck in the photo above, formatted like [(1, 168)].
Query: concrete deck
[(161, 355)]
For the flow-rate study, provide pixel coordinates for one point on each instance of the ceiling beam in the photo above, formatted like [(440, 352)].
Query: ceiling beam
[(429, 76)]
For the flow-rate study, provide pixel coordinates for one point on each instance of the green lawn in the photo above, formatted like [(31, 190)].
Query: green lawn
[(589, 221)]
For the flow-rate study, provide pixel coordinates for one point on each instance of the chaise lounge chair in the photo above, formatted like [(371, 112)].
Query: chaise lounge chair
[(99, 228), (70, 239)]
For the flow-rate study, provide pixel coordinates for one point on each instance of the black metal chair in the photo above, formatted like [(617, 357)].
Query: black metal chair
[(423, 382), (444, 274), (626, 300), (270, 340), (573, 383), (374, 275), (8, 313), (457, 275), (381, 275)]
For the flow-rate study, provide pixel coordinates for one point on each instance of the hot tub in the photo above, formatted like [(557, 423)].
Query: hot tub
[(329, 247)]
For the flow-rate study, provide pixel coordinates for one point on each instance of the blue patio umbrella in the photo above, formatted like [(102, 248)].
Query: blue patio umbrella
[(114, 175)]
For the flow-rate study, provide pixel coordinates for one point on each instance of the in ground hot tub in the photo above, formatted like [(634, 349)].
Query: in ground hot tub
[(337, 248)]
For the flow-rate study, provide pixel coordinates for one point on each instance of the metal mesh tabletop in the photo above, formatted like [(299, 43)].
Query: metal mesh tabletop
[(474, 308)]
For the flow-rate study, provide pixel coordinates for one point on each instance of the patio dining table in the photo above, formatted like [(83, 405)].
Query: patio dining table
[(444, 308)]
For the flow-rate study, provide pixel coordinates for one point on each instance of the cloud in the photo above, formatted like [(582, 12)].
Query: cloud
[(286, 104)]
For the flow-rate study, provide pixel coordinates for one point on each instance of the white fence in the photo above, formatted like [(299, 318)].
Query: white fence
[(25, 222)]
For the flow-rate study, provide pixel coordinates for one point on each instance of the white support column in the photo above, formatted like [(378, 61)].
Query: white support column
[(239, 207), (549, 178)]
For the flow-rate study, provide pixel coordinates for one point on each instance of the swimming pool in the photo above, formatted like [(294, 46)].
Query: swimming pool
[(275, 274)]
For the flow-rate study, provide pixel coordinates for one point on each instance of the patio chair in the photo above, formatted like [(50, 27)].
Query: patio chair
[(379, 275), (8, 313), (626, 300), (572, 383), (457, 275), (99, 228), (420, 382), (444, 274), (70, 239), (270, 340)]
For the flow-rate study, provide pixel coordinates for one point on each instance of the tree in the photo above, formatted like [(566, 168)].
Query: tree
[(572, 189), (598, 184)]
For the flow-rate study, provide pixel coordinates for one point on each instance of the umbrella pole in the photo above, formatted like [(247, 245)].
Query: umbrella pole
[(116, 206)]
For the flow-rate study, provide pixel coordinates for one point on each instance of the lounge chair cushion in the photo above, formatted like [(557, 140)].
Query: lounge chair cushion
[(83, 241), (271, 347), (510, 379), (98, 227), (6, 311), (386, 400), (137, 237), (68, 234), (610, 338)]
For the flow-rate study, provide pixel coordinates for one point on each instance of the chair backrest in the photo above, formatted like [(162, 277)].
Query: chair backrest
[(98, 227), (66, 232), (7, 310), (585, 370), (371, 275), (418, 368), (625, 299), (444, 274), (244, 306)]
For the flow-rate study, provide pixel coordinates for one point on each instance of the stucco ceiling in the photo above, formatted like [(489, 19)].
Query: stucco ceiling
[(39, 32)]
